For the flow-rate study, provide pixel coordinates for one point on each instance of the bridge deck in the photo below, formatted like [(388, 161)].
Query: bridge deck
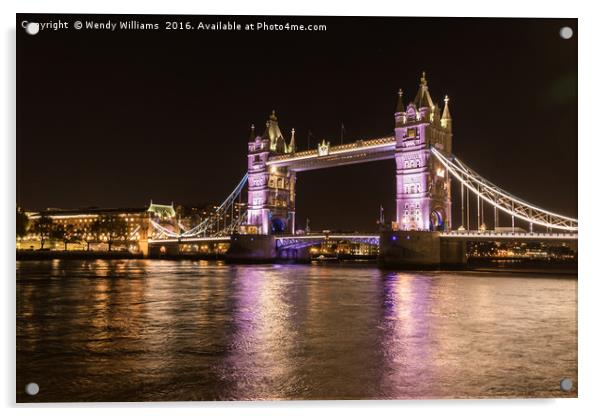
[(374, 238), (360, 151)]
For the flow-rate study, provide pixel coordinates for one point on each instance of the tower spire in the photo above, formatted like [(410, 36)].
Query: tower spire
[(400, 108), (252, 132), (423, 98), (446, 117), (292, 146), (273, 134)]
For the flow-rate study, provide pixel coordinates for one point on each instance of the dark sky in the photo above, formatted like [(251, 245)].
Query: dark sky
[(113, 119)]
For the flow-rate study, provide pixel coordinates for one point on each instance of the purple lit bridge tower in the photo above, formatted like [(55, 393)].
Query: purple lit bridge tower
[(271, 189), (421, 233)]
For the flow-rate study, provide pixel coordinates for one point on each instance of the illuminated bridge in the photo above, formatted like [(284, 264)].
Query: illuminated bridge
[(425, 167)]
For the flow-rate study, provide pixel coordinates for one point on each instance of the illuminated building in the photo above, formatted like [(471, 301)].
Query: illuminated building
[(133, 235)]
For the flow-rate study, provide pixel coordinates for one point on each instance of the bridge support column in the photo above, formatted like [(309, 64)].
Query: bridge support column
[(419, 250), (409, 250), (294, 255), (251, 248), (453, 253)]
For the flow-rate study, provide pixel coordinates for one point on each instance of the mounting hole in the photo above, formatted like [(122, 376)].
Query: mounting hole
[(32, 28), (566, 32), (32, 389), (566, 384)]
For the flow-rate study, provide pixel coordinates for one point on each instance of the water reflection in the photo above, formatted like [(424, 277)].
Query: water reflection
[(261, 356), (162, 330), (407, 335)]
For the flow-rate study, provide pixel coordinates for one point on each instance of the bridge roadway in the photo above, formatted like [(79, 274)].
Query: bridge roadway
[(286, 241), (360, 151)]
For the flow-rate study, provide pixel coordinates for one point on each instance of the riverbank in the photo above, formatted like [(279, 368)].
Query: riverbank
[(107, 255), (75, 255)]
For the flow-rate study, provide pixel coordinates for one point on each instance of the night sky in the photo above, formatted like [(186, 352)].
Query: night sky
[(115, 119)]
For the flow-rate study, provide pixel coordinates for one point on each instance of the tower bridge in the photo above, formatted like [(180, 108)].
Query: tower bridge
[(421, 233)]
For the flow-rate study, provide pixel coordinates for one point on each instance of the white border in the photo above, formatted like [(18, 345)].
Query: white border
[(590, 73)]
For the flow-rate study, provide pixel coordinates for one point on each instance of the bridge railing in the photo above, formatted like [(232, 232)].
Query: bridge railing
[(520, 235)]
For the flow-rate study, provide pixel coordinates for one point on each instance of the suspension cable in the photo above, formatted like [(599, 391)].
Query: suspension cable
[(501, 199)]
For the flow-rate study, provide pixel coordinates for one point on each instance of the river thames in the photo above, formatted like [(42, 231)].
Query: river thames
[(148, 330)]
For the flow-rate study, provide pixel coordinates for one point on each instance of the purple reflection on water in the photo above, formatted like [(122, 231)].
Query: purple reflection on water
[(162, 330)]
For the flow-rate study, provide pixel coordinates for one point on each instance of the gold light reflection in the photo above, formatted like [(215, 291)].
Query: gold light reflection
[(264, 342)]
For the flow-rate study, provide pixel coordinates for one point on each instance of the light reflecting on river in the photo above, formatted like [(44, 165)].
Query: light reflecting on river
[(130, 330)]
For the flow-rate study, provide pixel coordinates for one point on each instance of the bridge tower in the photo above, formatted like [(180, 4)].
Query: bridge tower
[(271, 191), (423, 185)]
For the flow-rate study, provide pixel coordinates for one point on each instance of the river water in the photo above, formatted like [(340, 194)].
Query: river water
[(145, 330)]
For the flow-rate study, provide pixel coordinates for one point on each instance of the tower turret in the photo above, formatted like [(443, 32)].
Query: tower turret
[(273, 133), (399, 108), (266, 133), (423, 98), (292, 146), (400, 111), (446, 120)]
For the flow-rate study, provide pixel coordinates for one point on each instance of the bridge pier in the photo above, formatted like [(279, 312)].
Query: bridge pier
[(294, 255), (419, 250), (252, 248), (453, 253)]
